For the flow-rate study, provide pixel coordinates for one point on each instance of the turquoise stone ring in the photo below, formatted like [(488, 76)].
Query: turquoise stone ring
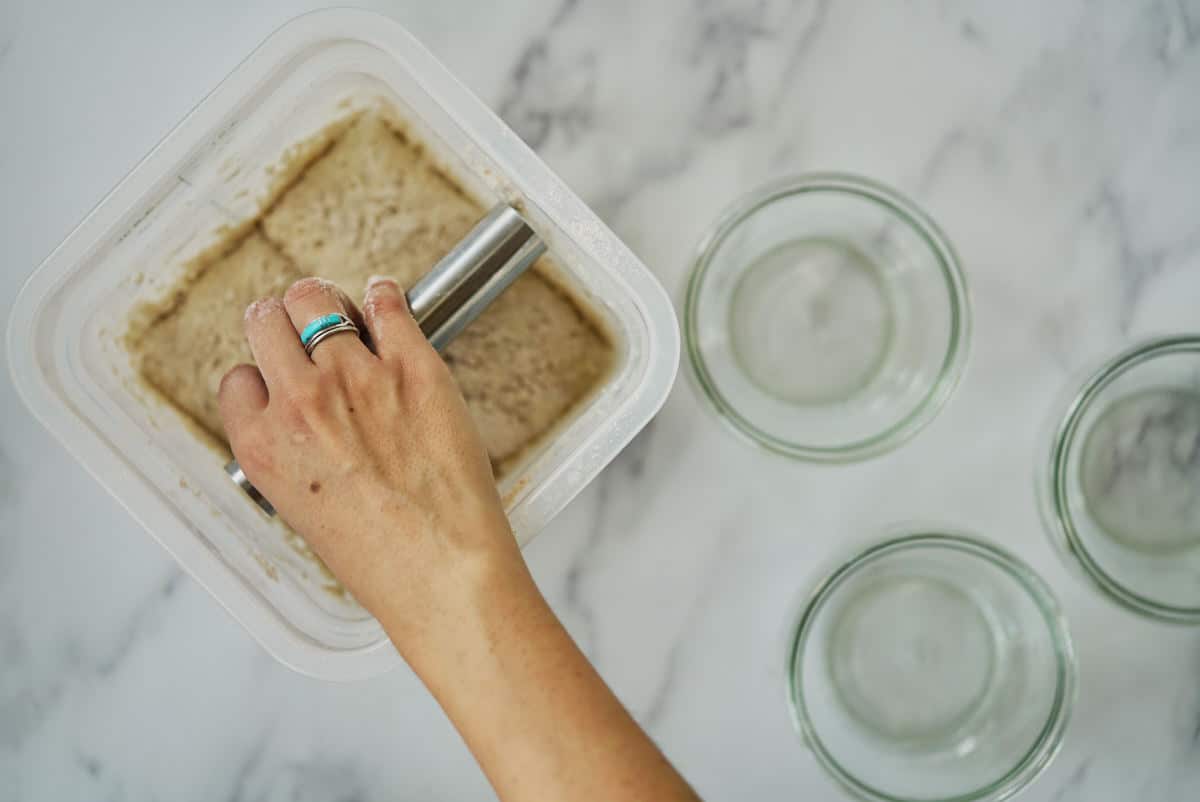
[(324, 327), (321, 324)]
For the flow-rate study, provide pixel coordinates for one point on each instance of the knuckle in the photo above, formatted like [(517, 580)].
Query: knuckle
[(358, 378), (382, 381), (307, 288), (254, 451), (305, 397), (393, 371), (428, 368), (233, 377), (294, 419)]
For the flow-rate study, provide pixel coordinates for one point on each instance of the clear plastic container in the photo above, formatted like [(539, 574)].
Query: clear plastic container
[(214, 170)]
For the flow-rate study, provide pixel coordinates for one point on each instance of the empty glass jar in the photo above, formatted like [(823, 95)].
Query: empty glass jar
[(1120, 489), (826, 318), (932, 667)]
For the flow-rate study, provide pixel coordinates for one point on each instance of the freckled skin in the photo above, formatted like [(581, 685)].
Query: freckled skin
[(331, 442), (373, 458)]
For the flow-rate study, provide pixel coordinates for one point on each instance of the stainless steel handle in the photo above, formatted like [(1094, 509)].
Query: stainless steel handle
[(457, 290), (469, 278), (235, 473)]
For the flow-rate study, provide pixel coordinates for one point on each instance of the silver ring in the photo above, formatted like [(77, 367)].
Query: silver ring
[(323, 334)]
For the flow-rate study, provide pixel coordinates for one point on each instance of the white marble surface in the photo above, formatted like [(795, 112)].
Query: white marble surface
[(1058, 144)]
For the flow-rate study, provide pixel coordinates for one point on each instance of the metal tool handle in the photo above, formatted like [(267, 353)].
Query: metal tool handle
[(473, 274), (457, 290)]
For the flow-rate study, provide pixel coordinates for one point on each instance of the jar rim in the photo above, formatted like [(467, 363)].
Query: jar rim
[(1043, 749), (1060, 522), (899, 208)]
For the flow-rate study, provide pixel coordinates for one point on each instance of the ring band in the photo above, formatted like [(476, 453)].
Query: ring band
[(320, 324), (324, 334), (323, 327)]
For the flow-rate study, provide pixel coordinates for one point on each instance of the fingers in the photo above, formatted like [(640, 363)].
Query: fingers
[(352, 310), (393, 331), (274, 343), (356, 315), (240, 397), (311, 298)]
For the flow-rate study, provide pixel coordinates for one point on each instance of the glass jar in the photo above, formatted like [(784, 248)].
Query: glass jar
[(1120, 490), (826, 318), (932, 667)]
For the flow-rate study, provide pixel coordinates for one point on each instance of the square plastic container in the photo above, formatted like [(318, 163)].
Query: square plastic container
[(213, 171)]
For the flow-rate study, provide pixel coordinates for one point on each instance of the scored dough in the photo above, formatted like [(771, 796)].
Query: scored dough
[(372, 204), (375, 203), (524, 362), (185, 352)]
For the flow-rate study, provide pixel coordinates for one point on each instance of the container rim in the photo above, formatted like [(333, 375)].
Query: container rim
[(651, 312)]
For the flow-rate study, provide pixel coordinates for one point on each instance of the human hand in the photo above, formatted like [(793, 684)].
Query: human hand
[(372, 458)]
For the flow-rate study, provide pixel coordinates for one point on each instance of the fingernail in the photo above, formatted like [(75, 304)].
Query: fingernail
[(310, 283), (261, 308), (377, 279)]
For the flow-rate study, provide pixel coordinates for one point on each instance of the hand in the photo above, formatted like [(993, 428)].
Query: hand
[(372, 458)]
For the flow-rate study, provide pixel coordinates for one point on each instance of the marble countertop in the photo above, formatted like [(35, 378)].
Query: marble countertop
[(1057, 143)]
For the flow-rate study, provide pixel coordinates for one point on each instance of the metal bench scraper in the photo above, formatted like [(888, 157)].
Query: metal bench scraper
[(457, 290)]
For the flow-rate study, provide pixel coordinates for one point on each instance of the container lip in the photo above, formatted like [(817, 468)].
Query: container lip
[(149, 511), (1060, 524), (242, 604), (1044, 748), (653, 318), (904, 210)]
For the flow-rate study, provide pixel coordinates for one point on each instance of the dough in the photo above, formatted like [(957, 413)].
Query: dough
[(523, 363), (373, 202), (187, 350)]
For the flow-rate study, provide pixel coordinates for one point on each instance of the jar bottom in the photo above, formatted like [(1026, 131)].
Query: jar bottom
[(811, 321), (1140, 470), (913, 659)]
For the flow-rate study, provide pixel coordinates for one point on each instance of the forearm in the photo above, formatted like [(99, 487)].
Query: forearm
[(537, 717), (373, 457)]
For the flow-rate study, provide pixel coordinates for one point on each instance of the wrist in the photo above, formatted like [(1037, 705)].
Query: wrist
[(480, 596)]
